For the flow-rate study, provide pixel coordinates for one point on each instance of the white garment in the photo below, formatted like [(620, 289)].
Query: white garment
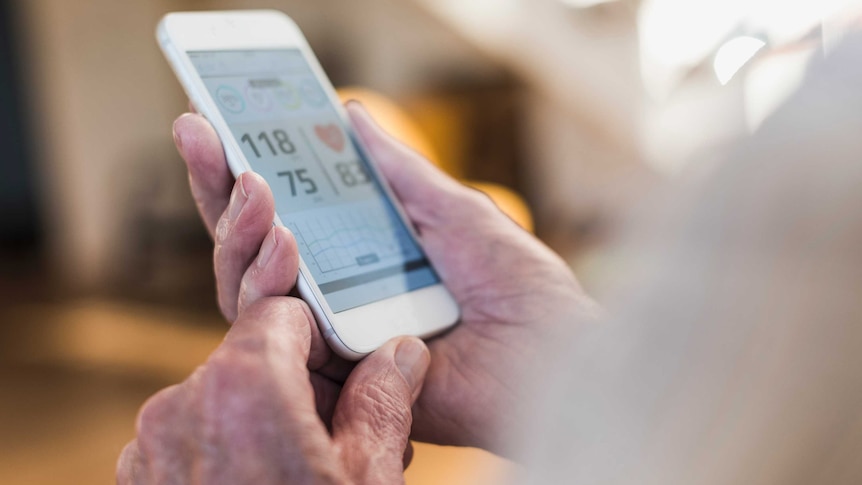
[(735, 355)]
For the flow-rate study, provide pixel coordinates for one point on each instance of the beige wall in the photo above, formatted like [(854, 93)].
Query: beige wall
[(101, 94)]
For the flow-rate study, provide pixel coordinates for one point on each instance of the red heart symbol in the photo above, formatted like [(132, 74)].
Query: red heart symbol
[(331, 135)]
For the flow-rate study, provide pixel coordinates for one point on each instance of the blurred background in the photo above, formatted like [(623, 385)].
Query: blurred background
[(569, 112)]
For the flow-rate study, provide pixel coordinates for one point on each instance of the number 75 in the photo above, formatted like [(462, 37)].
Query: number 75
[(294, 176)]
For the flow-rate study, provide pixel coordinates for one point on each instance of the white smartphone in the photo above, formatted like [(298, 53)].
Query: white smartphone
[(362, 270)]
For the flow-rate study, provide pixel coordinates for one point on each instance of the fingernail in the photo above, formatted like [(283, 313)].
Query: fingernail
[(412, 359), (237, 199), (266, 249)]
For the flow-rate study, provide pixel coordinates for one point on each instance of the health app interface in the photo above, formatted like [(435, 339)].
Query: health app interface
[(349, 235)]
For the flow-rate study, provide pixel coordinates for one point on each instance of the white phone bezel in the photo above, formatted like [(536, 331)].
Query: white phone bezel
[(422, 313)]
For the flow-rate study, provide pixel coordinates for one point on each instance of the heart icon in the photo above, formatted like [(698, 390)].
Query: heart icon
[(331, 136)]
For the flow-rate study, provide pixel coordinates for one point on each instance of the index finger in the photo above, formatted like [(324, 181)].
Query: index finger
[(209, 176)]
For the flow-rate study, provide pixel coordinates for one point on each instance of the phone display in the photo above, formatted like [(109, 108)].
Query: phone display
[(350, 237), (252, 74)]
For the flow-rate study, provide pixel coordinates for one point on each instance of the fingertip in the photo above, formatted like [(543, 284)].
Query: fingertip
[(239, 185), (408, 355), (269, 246), (288, 240), (256, 177), (178, 139), (412, 358), (363, 121), (354, 105), (358, 110), (178, 130), (281, 243), (182, 126), (254, 183), (196, 133), (184, 117), (262, 213), (201, 149)]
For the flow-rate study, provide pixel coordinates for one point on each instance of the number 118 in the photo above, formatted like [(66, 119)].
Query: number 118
[(282, 142)]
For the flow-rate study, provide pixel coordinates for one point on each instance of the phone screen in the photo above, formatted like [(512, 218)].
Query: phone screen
[(349, 235)]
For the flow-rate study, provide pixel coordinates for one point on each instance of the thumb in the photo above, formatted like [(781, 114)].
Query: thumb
[(372, 419), (426, 192)]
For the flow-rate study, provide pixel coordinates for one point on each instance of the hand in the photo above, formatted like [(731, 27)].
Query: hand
[(515, 293), (248, 414)]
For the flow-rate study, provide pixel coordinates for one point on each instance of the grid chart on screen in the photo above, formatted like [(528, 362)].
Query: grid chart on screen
[(350, 238)]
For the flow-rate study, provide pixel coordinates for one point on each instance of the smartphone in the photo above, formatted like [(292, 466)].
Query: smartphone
[(362, 269)]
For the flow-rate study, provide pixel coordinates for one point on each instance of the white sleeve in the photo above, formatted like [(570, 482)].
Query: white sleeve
[(735, 354)]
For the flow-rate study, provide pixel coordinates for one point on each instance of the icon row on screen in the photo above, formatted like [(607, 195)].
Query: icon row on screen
[(264, 95)]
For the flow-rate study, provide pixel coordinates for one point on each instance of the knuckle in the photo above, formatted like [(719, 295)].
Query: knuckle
[(232, 378), (126, 464), (212, 400), (227, 372), (237, 397), (157, 408), (156, 419)]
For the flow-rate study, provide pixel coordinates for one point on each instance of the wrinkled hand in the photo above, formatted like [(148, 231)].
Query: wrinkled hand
[(248, 414), (515, 294)]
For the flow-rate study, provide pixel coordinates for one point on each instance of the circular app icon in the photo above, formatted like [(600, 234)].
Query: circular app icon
[(287, 97), (312, 93), (258, 99), (230, 99)]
